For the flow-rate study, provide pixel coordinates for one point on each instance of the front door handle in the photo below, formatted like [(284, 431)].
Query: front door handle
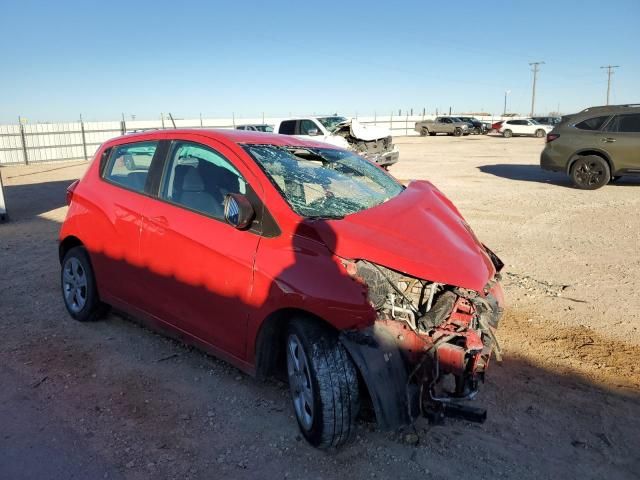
[(608, 140)]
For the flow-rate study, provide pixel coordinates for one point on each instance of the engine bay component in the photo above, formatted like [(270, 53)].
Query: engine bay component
[(446, 335)]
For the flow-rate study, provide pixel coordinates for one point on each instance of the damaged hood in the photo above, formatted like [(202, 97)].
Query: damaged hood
[(419, 233), (363, 132)]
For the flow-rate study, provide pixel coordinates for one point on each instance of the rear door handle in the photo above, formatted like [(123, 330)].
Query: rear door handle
[(608, 140)]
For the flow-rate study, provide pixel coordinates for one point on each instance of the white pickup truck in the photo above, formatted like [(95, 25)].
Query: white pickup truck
[(372, 143)]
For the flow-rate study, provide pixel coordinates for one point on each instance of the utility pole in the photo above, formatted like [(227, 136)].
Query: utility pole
[(535, 71), (506, 92), (609, 73)]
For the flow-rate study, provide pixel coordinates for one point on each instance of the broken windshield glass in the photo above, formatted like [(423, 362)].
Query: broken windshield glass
[(330, 123), (324, 183)]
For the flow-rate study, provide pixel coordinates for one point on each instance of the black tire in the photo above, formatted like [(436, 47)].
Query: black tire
[(507, 133), (332, 379), (78, 283), (424, 132), (477, 130), (540, 133), (457, 132), (590, 172)]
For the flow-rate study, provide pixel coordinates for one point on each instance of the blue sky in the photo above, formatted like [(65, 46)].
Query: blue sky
[(105, 58)]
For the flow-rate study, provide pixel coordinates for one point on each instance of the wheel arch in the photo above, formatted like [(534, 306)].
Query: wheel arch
[(590, 151), (269, 342), (67, 244)]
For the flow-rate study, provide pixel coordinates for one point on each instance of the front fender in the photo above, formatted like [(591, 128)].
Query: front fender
[(385, 374)]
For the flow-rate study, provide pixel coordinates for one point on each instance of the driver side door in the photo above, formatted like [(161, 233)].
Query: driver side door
[(199, 269)]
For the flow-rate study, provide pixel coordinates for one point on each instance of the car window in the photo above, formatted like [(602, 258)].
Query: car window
[(594, 123), (625, 124), (199, 178), (306, 125), (288, 127), (129, 164)]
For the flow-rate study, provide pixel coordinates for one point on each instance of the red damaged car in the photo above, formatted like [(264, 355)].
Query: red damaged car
[(272, 253)]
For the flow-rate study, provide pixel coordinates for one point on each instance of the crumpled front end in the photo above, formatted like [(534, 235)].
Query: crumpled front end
[(373, 143), (442, 337)]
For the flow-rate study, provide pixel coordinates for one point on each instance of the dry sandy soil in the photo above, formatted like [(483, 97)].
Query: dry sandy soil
[(114, 400)]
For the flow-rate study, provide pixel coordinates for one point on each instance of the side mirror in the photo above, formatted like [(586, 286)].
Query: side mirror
[(238, 211), (312, 132)]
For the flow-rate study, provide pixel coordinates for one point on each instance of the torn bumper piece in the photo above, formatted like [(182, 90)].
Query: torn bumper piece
[(384, 159)]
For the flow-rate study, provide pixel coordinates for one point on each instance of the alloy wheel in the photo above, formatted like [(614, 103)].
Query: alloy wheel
[(74, 284), (300, 381)]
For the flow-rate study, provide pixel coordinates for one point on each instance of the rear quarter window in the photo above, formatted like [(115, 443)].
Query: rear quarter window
[(593, 124), (288, 127), (128, 165)]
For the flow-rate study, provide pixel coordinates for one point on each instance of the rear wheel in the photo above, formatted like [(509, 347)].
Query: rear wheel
[(590, 172), (79, 286), (323, 382), (424, 132), (457, 132), (540, 133), (507, 134)]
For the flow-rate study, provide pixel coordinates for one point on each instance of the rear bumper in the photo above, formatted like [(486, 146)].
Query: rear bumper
[(547, 162)]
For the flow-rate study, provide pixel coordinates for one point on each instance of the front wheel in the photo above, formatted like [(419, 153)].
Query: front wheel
[(323, 383), (424, 132), (457, 132), (540, 133), (507, 134), (590, 172)]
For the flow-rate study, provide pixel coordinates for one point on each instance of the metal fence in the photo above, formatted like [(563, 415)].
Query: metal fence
[(26, 143)]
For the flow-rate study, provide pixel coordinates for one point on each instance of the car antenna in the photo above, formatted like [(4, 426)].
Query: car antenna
[(172, 121)]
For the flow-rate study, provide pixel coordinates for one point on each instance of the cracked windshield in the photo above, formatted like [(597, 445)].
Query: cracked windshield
[(324, 183)]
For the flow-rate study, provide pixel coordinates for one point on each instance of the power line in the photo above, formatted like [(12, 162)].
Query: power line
[(535, 71), (609, 73)]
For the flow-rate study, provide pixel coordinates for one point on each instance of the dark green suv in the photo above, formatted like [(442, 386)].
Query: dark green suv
[(596, 146)]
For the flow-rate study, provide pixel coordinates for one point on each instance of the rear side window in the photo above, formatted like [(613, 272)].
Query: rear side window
[(129, 164), (594, 123), (288, 127), (625, 124)]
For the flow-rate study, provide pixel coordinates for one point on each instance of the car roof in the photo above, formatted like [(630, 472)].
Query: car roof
[(235, 136)]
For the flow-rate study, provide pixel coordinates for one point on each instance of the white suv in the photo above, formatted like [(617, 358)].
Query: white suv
[(524, 126)]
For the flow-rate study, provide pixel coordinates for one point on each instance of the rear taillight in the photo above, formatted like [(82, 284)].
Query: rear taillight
[(551, 137), (70, 190)]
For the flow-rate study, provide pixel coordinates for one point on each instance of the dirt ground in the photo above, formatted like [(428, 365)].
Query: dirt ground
[(113, 400)]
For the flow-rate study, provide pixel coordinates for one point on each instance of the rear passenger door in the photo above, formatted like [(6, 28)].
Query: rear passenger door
[(621, 140), (127, 172), (199, 269)]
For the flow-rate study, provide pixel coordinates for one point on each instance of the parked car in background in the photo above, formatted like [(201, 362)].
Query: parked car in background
[(476, 126), (448, 125), (596, 146), (553, 121), (256, 127), (523, 127), (372, 142), (276, 254)]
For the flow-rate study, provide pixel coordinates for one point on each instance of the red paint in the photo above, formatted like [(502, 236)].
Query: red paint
[(217, 285)]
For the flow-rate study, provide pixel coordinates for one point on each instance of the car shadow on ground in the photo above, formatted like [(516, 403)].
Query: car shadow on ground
[(30, 200), (533, 173)]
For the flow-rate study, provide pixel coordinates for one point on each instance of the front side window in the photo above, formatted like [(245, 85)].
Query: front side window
[(625, 124), (128, 165), (594, 123), (306, 126), (324, 183), (199, 178)]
